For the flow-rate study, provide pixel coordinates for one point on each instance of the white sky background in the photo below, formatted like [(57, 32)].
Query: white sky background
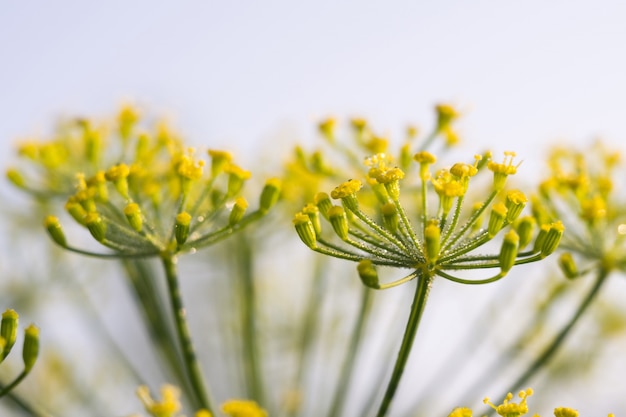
[(238, 73)]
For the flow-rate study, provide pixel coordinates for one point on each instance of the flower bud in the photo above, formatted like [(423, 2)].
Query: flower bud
[(391, 179), (181, 227), (432, 236), (97, 226), (75, 210), (390, 217), (30, 350), (133, 215), (347, 193), (118, 175), (515, 203), (339, 221), (425, 159), (553, 238), (541, 237), (508, 251), (568, 266), (219, 160), (496, 219), (236, 177), (8, 330), (314, 215), (269, 195), (238, 211), (525, 229), (327, 128), (55, 230), (305, 230), (16, 178), (367, 273), (322, 201)]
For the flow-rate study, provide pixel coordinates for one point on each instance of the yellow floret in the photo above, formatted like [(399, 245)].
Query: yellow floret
[(243, 408), (346, 189)]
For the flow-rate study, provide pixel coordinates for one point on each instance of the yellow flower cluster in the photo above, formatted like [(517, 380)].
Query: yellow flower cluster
[(154, 197)]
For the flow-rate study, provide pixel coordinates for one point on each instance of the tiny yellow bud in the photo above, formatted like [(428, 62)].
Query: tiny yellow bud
[(269, 194), (391, 179), (203, 413), (411, 132), (98, 183), (502, 170), (525, 228), (96, 226), (346, 189), (541, 237), (432, 237), (568, 265), (236, 178), (8, 330), (461, 412), (553, 238), (126, 120), (181, 227), (30, 350), (327, 128), (314, 215), (565, 412), (238, 211), (339, 221), (390, 217), (118, 175), (243, 408), (219, 160), (16, 178), (55, 230), (305, 230), (496, 219), (515, 203), (508, 251), (446, 114), (347, 193), (463, 170), (76, 210), (133, 215), (322, 201), (367, 273)]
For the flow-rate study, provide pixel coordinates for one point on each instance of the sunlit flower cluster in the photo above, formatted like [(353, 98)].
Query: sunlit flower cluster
[(155, 197), (427, 243)]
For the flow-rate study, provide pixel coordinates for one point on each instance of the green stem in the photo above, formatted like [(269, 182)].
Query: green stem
[(5, 390), (345, 376), (190, 361), (310, 326), (24, 406), (141, 280), (422, 289), (250, 342), (551, 349)]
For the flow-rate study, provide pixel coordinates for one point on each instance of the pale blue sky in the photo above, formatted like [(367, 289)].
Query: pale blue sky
[(237, 72)]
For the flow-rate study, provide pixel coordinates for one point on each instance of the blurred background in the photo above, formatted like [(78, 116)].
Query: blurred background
[(251, 76)]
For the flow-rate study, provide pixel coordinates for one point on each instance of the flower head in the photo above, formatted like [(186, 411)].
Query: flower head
[(441, 243)]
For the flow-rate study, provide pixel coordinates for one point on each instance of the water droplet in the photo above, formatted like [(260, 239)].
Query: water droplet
[(200, 219), (192, 251)]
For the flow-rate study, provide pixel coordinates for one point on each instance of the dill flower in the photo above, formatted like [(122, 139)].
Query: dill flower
[(168, 406), (30, 347), (135, 205), (441, 243)]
